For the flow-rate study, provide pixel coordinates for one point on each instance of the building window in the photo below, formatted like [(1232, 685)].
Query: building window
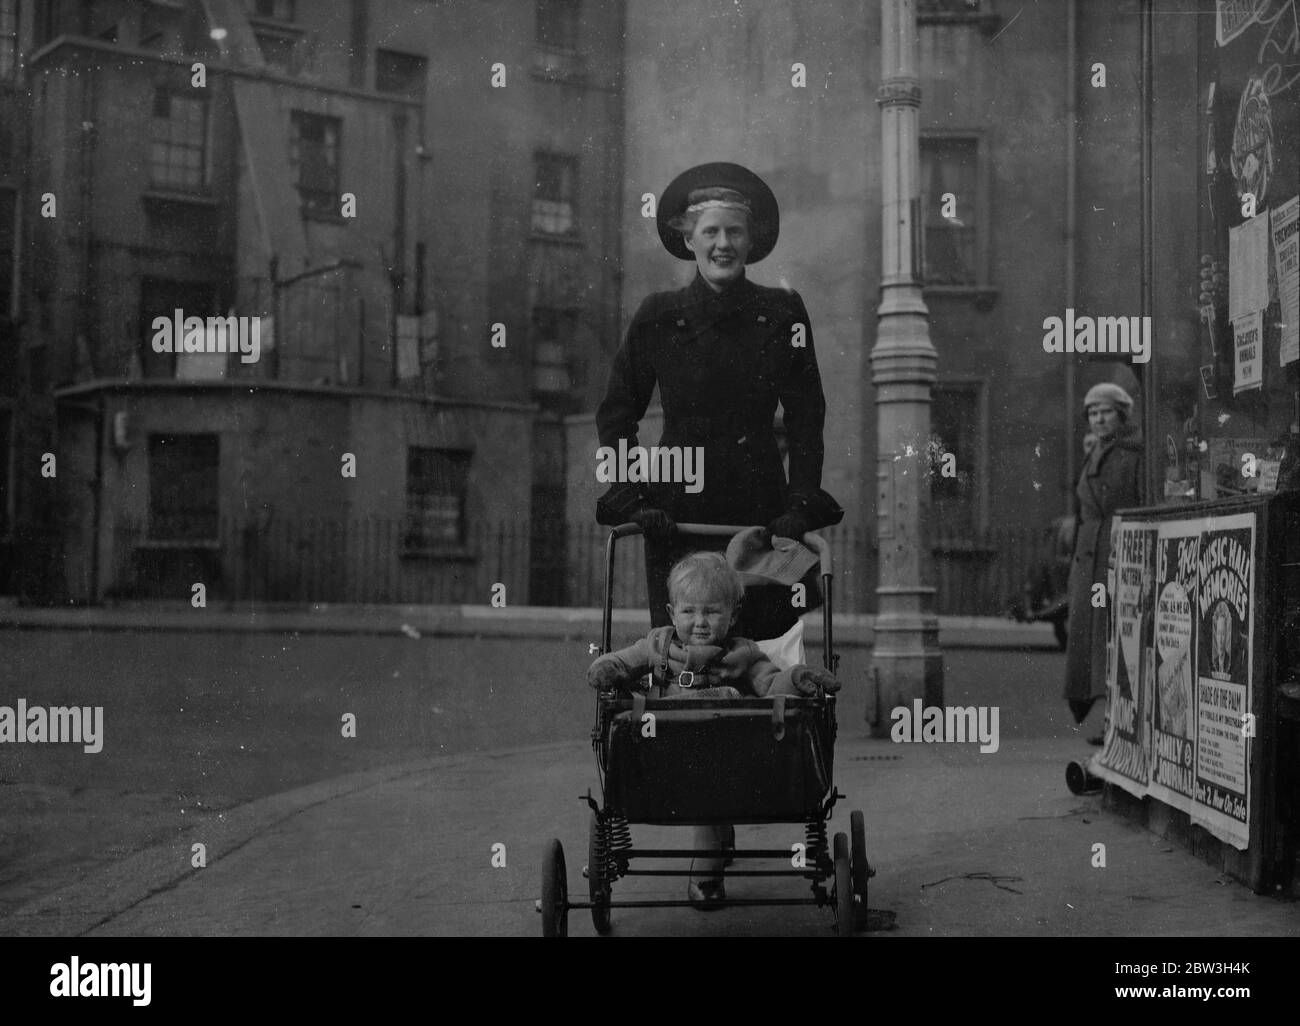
[(554, 329), (184, 472), (178, 156), (957, 425), (925, 7), (555, 194), (437, 482), (162, 297), (8, 38), (951, 193), (557, 25), (400, 73), (278, 51), (279, 10), (314, 153)]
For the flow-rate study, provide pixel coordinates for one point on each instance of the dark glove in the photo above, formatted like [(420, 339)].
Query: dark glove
[(655, 524), (604, 676), (618, 504), (808, 680), (788, 525)]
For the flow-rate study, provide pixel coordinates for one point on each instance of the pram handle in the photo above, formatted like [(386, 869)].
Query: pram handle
[(813, 541)]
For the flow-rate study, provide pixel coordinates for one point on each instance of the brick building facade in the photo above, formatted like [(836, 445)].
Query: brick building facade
[(383, 204)]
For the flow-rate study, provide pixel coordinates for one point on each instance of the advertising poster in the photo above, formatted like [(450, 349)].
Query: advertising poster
[(1116, 525), (1232, 18), (1224, 623), (1173, 713), (1286, 255), (1124, 759), (1248, 350)]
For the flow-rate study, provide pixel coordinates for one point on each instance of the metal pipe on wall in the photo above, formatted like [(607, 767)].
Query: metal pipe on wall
[(1147, 374), (1071, 231)]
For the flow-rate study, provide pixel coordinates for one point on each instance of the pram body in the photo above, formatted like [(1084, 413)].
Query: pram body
[(688, 761)]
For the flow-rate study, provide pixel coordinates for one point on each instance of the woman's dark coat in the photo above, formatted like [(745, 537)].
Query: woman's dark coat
[(722, 363), (1111, 481)]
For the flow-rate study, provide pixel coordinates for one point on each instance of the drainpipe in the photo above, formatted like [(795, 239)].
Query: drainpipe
[(1071, 231), (98, 517), (1147, 374), (399, 229)]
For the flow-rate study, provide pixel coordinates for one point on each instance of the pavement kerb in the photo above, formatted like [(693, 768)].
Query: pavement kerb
[(78, 908), (416, 621)]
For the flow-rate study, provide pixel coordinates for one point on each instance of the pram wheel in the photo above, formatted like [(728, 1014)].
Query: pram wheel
[(843, 887), (598, 881), (555, 892), (858, 865)]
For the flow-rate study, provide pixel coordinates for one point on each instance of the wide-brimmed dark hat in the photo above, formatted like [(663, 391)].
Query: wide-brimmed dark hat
[(764, 217)]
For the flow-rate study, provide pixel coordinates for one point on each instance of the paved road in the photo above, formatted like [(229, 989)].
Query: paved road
[(234, 740)]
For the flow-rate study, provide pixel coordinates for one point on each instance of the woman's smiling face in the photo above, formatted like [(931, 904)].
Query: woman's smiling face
[(721, 242)]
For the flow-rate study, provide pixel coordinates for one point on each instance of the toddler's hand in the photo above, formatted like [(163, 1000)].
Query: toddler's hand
[(808, 680), (604, 676)]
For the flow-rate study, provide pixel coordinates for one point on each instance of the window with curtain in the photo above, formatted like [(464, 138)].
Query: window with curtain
[(555, 194), (950, 186), (314, 154), (437, 483)]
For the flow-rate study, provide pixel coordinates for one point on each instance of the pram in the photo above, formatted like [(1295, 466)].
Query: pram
[(688, 761)]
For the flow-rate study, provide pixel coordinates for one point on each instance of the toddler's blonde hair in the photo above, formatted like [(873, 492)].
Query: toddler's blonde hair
[(707, 575)]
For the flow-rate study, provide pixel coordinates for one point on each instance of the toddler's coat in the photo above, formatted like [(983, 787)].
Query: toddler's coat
[(738, 664)]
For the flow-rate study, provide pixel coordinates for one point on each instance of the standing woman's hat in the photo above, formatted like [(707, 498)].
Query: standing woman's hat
[(1108, 392), (764, 217)]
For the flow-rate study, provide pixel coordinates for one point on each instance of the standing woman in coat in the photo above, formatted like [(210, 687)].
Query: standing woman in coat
[(1111, 480), (723, 352)]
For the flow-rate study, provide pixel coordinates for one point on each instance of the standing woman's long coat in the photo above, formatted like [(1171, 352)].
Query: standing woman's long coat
[(722, 362), (1111, 480)]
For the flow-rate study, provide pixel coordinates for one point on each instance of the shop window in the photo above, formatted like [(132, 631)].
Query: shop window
[(184, 473), (8, 38), (957, 427), (437, 483), (555, 194), (314, 154), (402, 74), (162, 297), (954, 211), (178, 157)]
